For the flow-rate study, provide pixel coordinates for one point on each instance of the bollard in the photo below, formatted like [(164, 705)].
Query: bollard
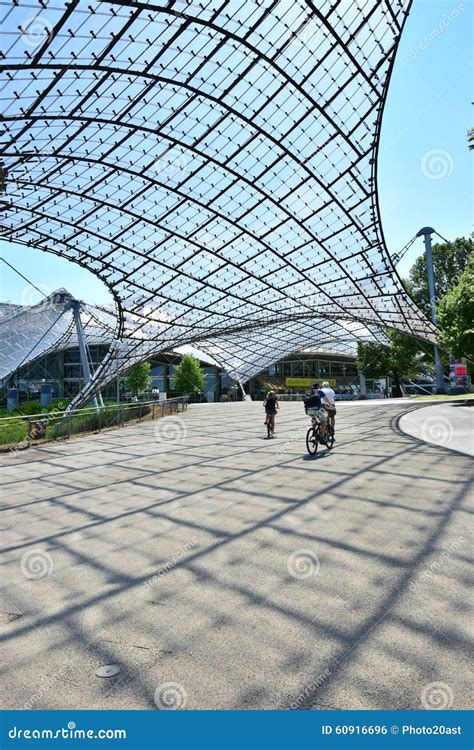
[(12, 399), (46, 395)]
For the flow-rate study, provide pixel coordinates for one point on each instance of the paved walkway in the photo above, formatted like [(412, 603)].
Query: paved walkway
[(195, 552), (449, 425)]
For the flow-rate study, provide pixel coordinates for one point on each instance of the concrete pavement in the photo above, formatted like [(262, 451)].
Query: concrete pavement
[(448, 425), (220, 569)]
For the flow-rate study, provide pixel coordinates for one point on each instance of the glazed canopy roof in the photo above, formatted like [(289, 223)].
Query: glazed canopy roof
[(31, 331), (212, 162)]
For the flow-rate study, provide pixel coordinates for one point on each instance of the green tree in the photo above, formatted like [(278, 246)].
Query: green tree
[(138, 378), (449, 261), (470, 138), (456, 315), (188, 376), (404, 356)]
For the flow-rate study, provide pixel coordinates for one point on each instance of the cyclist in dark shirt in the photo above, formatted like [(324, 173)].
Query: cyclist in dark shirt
[(271, 407), (314, 407)]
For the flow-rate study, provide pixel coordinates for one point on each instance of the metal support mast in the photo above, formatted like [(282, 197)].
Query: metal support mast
[(76, 310), (426, 233)]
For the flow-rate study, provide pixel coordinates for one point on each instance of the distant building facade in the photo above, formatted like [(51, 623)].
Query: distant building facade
[(63, 370), (293, 375), (297, 372)]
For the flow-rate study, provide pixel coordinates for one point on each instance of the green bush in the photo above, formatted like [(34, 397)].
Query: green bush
[(13, 431), (34, 407), (89, 422)]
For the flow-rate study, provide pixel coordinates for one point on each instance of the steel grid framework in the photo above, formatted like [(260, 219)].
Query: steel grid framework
[(32, 331), (214, 163)]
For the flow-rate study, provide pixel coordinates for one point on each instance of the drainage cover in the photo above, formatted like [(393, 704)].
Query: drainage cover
[(110, 670)]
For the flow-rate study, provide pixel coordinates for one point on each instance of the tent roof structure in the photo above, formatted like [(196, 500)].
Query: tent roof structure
[(31, 331), (213, 163)]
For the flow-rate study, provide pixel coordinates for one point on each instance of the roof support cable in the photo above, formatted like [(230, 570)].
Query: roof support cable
[(24, 278), (398, 256)]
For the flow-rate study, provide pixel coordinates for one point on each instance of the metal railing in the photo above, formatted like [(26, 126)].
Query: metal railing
[(289, 396), (21, 431), (339, 396)]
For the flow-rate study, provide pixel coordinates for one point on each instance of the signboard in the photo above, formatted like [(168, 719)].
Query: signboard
[(307, 382), (458, 372)]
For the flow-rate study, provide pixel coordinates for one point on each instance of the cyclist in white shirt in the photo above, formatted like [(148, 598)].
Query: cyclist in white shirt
[(331, 397)]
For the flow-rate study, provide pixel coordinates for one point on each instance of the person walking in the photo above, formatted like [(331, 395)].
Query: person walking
[(271, 407)]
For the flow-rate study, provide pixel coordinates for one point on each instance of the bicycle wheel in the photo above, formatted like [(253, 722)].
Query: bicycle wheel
[(269, 430), (329, 436), (312, 441)]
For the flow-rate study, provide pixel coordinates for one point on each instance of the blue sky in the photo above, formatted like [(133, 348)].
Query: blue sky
[(425, 168), (424, 171)]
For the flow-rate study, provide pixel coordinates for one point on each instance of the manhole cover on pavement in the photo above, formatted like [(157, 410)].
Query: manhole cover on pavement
[(109, 670), (130, 660)]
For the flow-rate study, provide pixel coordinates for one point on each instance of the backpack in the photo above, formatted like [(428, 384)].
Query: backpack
[(311, 401)]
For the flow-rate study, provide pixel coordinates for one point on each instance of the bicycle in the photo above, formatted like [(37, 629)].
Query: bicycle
[(313, 436), (270, 425)]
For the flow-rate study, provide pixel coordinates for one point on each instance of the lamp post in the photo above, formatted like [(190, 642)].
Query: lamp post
[(426, 233)]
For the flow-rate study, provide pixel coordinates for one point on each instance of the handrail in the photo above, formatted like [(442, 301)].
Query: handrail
[(92, 409), (339, 396)]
